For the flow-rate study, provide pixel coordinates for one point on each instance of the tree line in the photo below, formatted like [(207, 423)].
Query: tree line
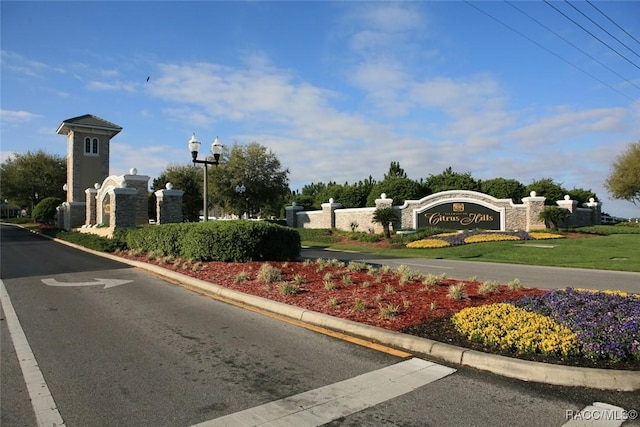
[(28, 178), (399, 187)]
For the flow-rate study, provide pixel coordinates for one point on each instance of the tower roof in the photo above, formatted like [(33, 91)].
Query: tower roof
[(88, 121)]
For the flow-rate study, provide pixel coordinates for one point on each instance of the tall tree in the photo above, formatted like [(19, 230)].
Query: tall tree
[(548, 188), (185, 178), (623, 182), (256, 167), (27, 178), (395, 171), (502, 188), (397, 188), (450, 180), (581, 195)]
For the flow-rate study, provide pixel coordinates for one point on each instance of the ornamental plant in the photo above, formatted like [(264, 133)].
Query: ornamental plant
[(490, 237), (508, 327), (607, 325)]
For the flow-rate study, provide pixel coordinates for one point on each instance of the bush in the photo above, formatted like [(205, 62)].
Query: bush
[(553, 216), (91, 241), (45, 211), (230, 241)]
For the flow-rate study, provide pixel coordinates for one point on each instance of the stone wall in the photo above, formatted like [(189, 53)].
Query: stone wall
[(511, 216)]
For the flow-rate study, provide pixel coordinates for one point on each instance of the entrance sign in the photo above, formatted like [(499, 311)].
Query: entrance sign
[(460, 215)]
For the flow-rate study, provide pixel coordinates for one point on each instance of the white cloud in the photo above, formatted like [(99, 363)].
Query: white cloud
[(13, 117)]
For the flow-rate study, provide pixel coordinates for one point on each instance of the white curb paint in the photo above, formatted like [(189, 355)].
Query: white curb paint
[(325, 404), (45, 409)]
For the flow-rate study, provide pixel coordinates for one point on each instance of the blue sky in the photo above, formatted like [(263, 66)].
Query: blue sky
[(337, 90)]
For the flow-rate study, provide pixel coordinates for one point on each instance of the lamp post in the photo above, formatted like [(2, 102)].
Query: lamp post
[(240, 189), (216, 150)]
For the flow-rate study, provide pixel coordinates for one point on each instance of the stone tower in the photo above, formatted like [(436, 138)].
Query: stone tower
[(88, 139)]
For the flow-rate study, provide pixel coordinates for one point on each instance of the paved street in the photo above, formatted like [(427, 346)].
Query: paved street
[(114, 345), (531, 276)]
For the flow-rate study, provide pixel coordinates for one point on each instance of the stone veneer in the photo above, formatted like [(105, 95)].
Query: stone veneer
[(513, 216)]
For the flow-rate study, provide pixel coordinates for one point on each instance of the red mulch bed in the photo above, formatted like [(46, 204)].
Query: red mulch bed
[(420, 311)]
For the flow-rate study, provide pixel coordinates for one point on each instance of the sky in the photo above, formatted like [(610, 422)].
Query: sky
[(336, 90)]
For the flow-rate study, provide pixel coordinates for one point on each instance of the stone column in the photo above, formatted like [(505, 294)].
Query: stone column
[(568, 204), (140, 183), (168, 205), (534, 205), (123, 208), (292, 214), (90, 216), (328, 215), (571, 206), (596, 211), (383, 202)]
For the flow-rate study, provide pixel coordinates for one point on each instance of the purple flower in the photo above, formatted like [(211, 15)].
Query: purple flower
[(607, 326)]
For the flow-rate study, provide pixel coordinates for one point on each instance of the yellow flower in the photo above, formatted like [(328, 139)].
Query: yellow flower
[(511, 328), (490, 237), (539, 235), (427, 244)]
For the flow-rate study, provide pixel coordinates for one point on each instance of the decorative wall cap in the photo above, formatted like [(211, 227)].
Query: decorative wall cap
[(461, 193), (122, 191), (169, 193)]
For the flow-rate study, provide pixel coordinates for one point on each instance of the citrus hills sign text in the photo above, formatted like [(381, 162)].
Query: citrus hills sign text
[(460, 216)]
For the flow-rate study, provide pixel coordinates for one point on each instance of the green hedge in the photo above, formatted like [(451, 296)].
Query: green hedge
[(229, 241)]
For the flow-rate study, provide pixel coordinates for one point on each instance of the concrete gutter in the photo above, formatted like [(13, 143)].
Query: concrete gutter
[(604, 379)]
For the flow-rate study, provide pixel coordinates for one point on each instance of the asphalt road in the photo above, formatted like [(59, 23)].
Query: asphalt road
[(530, 276), (141, 351)]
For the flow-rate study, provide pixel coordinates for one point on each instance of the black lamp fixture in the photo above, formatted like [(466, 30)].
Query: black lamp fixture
[(216, 150)]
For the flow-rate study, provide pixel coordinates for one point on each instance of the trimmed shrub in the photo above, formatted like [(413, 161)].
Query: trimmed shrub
[(45, 211), (228, 241), (91, 241)]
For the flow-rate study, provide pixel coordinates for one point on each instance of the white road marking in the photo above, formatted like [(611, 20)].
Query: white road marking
[(108, 283), (41, 399), (599, 415), (324, 404)]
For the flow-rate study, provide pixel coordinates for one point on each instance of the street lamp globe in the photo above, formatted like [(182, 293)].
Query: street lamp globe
[(194, 147), (216, 149)]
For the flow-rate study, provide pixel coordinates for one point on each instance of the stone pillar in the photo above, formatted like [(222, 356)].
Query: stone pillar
[(596, 211), (60, 215), (568, 204), (383, 202), (140, 183), (90, 216), (571, 206), (292, 214), (534, 205), (123, 208), (328, 215), (74, 215), (168, 205)]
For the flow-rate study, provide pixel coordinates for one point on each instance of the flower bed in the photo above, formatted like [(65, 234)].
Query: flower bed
[(607, 325), (474, 236), (508, 327)]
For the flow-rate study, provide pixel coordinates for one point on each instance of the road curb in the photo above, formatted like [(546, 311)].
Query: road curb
[(524, 370)]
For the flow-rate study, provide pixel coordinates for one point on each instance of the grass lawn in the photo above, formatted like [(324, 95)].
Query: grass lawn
[(619, 252)]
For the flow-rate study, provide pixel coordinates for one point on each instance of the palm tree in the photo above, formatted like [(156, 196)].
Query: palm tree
[(385, 216)]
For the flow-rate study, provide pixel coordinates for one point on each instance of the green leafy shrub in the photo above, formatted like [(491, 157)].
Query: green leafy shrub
[(228, 241), (45, 211), (91, 241), (553, 216)]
